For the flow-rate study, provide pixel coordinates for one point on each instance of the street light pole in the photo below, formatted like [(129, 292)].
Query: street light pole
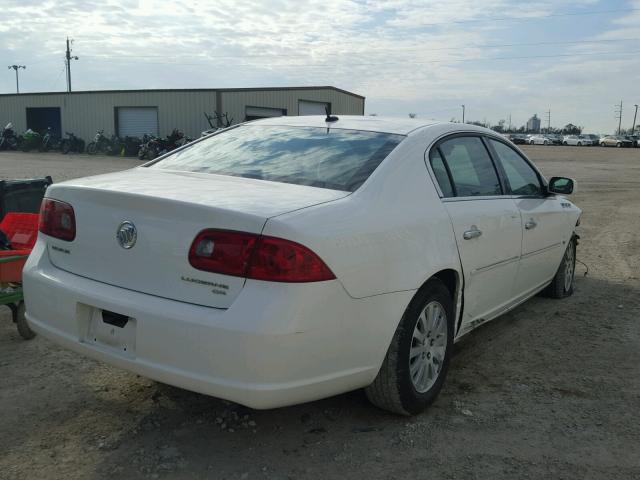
[(633, 129), (463, 108), (16, 68)]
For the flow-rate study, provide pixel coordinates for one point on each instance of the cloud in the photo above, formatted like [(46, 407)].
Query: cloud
[(403, 55)]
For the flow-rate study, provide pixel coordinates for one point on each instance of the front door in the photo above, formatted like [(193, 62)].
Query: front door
[(544, 220), (486, 224)]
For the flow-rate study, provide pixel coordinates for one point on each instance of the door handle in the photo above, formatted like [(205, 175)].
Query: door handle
[(531, 224), (473, 233)]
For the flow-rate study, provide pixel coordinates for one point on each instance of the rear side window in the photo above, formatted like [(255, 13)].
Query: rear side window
[(471, 168), (332, 158), (440, 171), (522, 178)]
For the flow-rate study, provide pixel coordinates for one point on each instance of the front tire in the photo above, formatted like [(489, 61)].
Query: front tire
[(562, 284), (417, 360)]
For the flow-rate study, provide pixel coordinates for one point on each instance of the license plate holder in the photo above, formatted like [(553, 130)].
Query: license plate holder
[(112, 330)]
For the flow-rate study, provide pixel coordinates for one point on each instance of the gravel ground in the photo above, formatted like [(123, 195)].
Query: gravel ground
[(550, 390)]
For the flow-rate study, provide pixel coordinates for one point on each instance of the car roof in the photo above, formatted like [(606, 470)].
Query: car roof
[(402, 126)]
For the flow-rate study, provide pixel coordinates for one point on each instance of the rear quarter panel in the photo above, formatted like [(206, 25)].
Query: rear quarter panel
[(390, 235)]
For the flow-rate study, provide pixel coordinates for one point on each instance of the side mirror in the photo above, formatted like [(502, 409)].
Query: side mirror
[(561, 185)]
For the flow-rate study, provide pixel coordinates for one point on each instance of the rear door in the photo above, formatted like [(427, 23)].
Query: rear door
[(486, 224), (544, 219)]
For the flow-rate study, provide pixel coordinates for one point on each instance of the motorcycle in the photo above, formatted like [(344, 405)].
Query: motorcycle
[(150, 147), (71, 144), (50, 141), (8, 138), (101, 144), (30, 141)]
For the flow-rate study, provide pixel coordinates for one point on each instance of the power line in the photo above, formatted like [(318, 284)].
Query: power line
[(402, 49), (525, 18), (386, 63)]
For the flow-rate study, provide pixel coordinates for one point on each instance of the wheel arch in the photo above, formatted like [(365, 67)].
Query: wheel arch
[(453, 280)]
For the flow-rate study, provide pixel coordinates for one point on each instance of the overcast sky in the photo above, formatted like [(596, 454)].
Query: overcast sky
[(497, 57)]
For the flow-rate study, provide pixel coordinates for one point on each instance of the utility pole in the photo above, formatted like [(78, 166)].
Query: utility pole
[(633, 129), (548, 113), (619, 116), (509, 122), (16, 68), (68, 58), (463, 107)]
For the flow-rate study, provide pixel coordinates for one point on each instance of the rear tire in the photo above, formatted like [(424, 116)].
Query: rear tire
[(21, 323), (562, 284), (417, 360)]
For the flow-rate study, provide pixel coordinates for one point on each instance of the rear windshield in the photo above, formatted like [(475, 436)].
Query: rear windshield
[(337, 159)]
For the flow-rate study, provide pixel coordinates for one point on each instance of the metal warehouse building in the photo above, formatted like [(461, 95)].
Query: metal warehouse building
[(157, 112)]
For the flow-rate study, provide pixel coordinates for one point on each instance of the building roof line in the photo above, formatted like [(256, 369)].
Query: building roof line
[(213, 90)]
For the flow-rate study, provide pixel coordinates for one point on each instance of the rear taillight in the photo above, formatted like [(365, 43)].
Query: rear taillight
[(57, 219), (257, 257), (222, 251)]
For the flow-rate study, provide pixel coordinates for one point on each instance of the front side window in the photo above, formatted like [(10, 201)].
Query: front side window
[(332, 158), (471, 168), (522, 178)]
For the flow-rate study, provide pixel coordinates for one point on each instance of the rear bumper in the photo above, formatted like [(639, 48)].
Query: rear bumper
[(277, 345)]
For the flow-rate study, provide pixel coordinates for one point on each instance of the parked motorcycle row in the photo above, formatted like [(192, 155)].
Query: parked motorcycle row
[(147, 148)]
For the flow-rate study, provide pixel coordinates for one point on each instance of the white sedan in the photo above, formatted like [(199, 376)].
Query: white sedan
[(539, 140), (577, 140), (295, 258)]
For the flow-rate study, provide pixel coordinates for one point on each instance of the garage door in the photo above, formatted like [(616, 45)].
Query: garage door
[(137, 121), (306, 107)]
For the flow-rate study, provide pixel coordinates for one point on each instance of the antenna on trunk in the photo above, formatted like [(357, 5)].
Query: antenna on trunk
[(329, 118)]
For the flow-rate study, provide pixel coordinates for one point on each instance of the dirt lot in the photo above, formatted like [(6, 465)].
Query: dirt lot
[(551, 390)]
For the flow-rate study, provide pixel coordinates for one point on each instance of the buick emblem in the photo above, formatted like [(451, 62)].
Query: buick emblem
[(127, 235)]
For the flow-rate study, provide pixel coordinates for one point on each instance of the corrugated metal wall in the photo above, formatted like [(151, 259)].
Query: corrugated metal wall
[(341, 103), (85, 113)]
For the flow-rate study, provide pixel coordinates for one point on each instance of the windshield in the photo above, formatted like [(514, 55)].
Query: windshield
[(337, 159)]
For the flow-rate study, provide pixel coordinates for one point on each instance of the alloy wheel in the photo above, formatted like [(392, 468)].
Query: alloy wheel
[(569, 266), (428, 346)]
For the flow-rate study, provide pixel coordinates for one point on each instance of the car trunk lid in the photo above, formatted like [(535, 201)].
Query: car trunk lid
[(168, 210)]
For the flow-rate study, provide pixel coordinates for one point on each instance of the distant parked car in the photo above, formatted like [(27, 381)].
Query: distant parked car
[(539, 140), (635, 139), (595, 139), (517, 138), (577, 140), (616, 141), (555, 138)]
